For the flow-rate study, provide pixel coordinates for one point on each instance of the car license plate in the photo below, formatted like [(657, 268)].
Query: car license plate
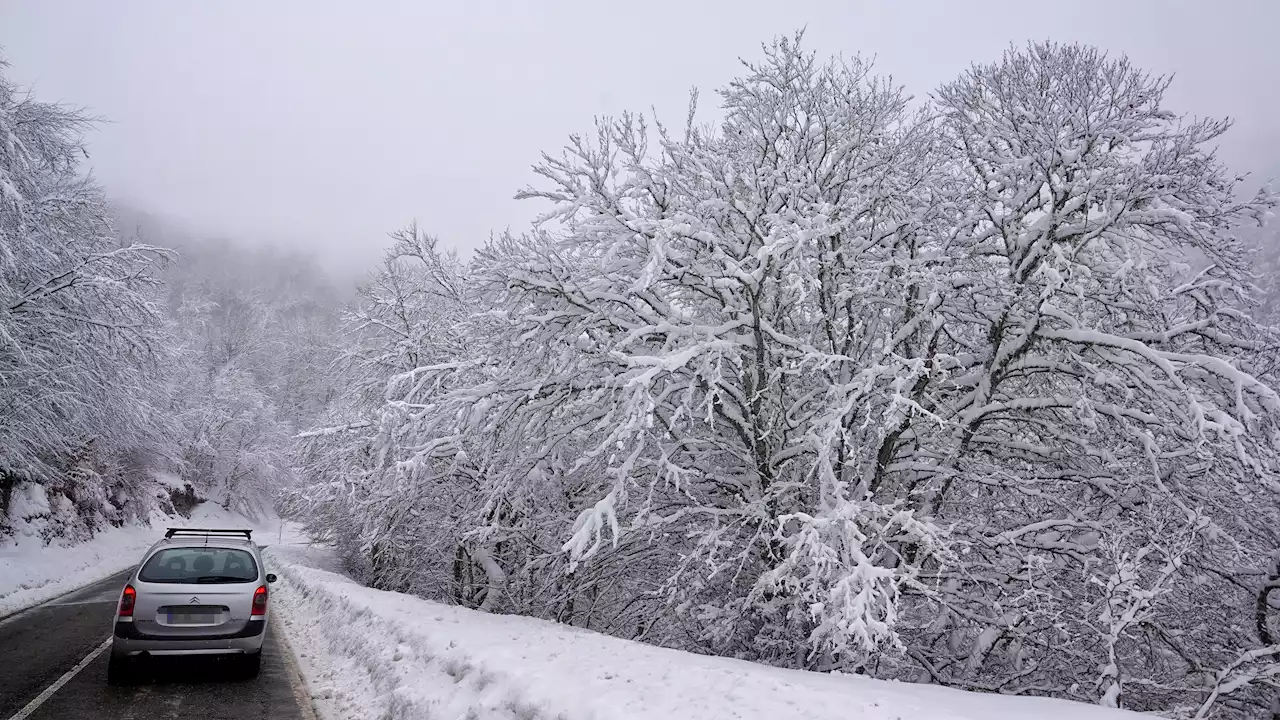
[(191, 618)]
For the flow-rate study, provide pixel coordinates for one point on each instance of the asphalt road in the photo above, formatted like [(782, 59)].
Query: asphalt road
[(39, 646)]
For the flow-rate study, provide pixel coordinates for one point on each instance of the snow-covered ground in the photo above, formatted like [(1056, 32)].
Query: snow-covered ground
[(31, 572), (367, 653)]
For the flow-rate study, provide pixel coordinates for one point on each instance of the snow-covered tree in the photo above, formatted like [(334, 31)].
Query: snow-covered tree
[(1102, 417), (256, 330), (81, 336), (970, 393), (116, 363), (406, 315), (691, 356)]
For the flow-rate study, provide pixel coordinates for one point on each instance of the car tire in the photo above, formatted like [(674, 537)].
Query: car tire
[(250, 665), (121, 671)]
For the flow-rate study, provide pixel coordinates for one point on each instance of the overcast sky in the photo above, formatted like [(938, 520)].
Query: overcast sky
[(327, 123)]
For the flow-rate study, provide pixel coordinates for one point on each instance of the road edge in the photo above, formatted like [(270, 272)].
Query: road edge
[(297, 681)]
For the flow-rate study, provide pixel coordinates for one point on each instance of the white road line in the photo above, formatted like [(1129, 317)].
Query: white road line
[(66, 677)]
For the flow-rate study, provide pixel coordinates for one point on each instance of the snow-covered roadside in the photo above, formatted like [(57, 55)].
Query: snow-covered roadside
[(368, 653), (31, 572)]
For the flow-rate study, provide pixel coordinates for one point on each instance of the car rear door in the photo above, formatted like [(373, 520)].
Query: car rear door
[(168, 604)]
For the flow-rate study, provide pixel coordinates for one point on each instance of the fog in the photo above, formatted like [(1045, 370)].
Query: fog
[(324, 125)]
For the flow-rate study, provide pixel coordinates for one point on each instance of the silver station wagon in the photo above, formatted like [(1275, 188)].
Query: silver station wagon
[(200, 591)]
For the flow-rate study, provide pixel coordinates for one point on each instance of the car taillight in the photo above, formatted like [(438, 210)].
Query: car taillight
[(259, 601), (126, 601)]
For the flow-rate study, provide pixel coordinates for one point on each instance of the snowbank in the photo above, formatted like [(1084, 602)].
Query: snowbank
[(31, 572), (368, 653)]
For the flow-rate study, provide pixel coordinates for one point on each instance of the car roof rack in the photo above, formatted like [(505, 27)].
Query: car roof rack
[(207, 532)]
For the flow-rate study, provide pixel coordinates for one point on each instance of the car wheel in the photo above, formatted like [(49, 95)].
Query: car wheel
[(251, 664), (120, 671)]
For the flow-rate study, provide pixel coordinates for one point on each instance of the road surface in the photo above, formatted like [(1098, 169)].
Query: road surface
[(40, 646)]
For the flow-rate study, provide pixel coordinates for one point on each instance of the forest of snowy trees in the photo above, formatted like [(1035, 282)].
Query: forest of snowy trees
[(131, 355), (973, 389)]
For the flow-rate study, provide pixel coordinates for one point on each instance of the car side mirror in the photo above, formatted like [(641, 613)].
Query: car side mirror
[(271, 577)]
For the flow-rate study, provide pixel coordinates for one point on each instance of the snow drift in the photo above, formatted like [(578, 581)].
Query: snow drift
[(370, 653)]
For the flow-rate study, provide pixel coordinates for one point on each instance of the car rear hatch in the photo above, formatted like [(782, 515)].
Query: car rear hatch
[(196, 590), (192, 610)]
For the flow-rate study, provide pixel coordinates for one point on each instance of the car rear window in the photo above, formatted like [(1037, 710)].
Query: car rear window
[(199, 565)]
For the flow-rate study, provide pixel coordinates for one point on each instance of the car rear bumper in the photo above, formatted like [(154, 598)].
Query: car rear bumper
[(127, 640)]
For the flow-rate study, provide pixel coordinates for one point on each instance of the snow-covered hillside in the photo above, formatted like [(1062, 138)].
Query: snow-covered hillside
[(369, 653), (32, 572)]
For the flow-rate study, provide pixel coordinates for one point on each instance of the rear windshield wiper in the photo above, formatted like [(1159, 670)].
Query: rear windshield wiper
[(218, 579)]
